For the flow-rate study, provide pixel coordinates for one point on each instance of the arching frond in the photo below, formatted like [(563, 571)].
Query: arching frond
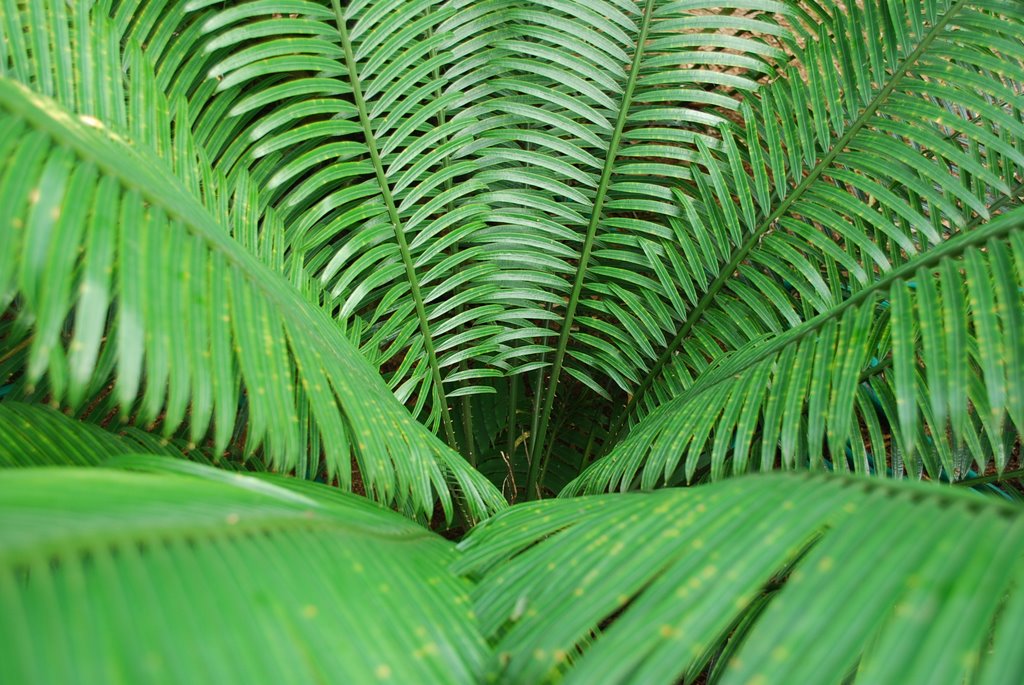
[(580, 97), (85, 60), (775, 578), (188, 572), (111, 69), (34, 435), (900, 126), (66, 181), (108, 576), (349, 120), (932, 349)]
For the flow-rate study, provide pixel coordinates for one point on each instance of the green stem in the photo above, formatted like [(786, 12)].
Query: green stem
[(16, 349), (994, 478), (589, 450), (396, 223), (538, 395), (588, 245), (533, 449), (563, 418), (726, 273), (513, 399)]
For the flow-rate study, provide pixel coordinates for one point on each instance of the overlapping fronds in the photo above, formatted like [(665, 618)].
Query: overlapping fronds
[(188, 573), (85, 60), (776, 578), (164, 578), (639, 193), (184, 314), (34, 435), (930, 354), (900, 126), (591, 117), (838, 179), (348, 119)]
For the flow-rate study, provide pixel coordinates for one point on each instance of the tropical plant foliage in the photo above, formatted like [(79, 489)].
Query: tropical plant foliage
[(451, 254), (200, 574)]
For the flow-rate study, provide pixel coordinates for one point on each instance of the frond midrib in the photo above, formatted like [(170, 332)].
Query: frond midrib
[(949, 249), (740, 254), (123, 163), (173, 200), (396, 223), (600, 195)]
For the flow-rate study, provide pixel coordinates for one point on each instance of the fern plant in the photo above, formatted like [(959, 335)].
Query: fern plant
[(448, 255)]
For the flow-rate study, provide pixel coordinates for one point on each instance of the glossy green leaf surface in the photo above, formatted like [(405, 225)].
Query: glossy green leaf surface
[(820, 384), (159, 578), (264, 326), (832, 578), (33, 435)]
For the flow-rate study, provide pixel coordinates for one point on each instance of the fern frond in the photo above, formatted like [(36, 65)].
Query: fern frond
[(164, 578), (901, 127), (579, 97), (784, 569), (67, 182), (34, 435), (807, 391), (358, 144)]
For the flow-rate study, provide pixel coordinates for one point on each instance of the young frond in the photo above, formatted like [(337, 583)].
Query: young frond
[(930, 354)]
